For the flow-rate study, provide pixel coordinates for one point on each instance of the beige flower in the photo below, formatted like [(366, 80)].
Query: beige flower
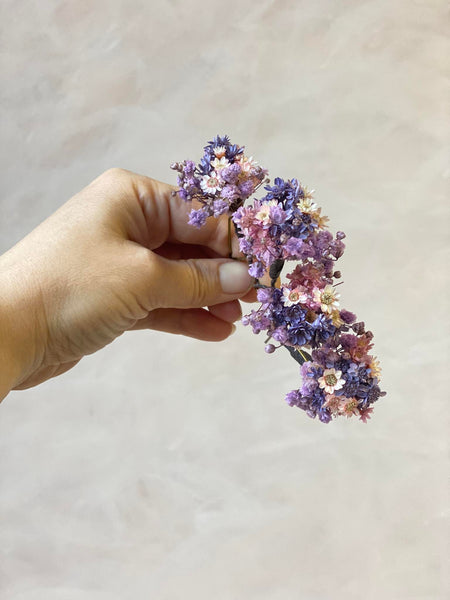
[(333, 403), (336, 318), (321, 220), (327, 297), (306, 205), (375, 369), (350, 407), (220, 151), (331, 380)]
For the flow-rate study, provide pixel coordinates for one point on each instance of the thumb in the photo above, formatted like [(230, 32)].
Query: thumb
[(194, 282)]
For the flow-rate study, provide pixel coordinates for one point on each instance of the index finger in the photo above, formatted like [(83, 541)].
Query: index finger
[(166, 218)]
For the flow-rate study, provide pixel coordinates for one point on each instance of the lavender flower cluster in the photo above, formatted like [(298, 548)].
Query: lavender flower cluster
[(339, 377), (222, 180)]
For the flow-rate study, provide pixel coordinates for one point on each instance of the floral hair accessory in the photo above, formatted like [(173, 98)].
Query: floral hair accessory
[(302, 314)]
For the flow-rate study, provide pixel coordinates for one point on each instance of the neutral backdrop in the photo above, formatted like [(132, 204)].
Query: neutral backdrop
[(168, 468)]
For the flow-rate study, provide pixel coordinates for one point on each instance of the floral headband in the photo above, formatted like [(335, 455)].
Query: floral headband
[(339, 376)]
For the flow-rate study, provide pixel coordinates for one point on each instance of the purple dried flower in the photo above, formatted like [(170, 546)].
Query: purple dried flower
[(265, 295), (189, 168), (337, 249), (256, 270), (183, 194), (197, 218), (347, 316), (278, 215), (293, 398), (220, 207), (231, 173), (246, 188), (292, 249), (280, 335), (230, 192)]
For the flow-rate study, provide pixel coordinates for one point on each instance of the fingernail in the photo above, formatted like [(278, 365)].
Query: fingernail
[(234, 277), (233, 329)]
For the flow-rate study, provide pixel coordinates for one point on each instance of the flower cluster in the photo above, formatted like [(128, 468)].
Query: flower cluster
[(341, 379), (286, 225), (302, 314), (221, 182), (291, 317)]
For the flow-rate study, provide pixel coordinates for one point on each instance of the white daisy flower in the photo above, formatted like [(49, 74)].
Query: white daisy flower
[(291, 297), (220, 163), (331, 380), (263, 213), (327, 298), (210, 184), (247, 164)]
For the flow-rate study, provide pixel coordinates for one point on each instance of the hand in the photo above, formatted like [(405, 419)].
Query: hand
[(117, 256)]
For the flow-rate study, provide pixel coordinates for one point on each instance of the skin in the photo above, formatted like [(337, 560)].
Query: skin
[(116, 257)]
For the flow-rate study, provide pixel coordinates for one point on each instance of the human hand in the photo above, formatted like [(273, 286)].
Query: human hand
[(117, 256)]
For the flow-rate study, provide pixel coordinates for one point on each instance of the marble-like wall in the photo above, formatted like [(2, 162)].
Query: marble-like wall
[(168, 468)]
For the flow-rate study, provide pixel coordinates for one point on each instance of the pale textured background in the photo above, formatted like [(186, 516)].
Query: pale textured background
[(172, 469)]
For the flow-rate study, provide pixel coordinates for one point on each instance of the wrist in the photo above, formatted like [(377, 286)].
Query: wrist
[(10, 370), (17, 333)]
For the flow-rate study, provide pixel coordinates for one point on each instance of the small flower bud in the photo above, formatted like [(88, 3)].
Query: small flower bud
[(340, 235), (269, 348), (337, 274), (358, 328)]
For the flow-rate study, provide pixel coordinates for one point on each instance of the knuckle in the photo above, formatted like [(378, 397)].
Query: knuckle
[(114, 174), (198, 288)]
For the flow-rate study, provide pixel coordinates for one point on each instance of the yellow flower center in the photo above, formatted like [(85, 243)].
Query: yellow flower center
[(327, 298), (351, 405), (330, 379), (294, 296), (212, 182)]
